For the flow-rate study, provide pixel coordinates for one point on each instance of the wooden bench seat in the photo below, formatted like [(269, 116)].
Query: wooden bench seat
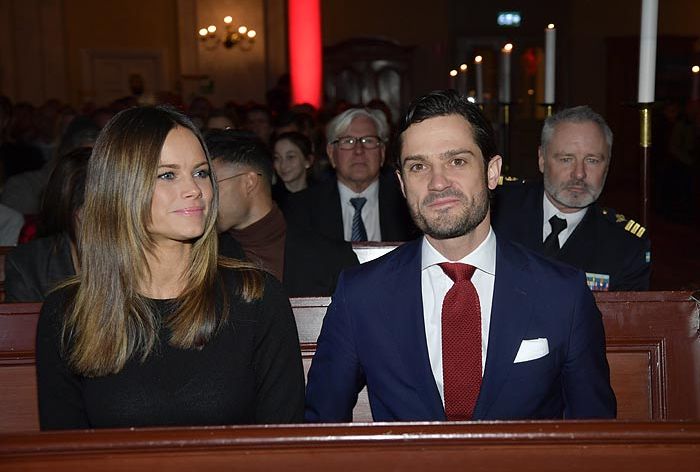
[(653, 348)]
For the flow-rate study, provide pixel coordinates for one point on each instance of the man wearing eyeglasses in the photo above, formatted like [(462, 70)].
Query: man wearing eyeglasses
[(362, 203), (252, 227)]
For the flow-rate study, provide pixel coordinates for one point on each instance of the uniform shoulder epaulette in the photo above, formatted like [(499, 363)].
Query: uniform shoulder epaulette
[(630, 226), (507, 180), (635, 228)]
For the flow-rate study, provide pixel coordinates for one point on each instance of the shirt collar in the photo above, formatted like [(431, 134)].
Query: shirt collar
[(370, 193), (483, 257)]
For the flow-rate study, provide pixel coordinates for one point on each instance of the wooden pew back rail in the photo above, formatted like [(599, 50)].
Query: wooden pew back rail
[(527, 446), (653, 349)]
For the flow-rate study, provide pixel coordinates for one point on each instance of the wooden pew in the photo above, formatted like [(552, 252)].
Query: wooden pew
[(478, 447), (18, 407), (653, 350), (4, 251), (368, 250)]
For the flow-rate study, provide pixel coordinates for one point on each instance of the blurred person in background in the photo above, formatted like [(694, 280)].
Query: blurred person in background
[(34, 268), (293, 157)]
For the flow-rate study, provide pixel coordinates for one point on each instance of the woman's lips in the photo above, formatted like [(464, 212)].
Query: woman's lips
[(192, 211)]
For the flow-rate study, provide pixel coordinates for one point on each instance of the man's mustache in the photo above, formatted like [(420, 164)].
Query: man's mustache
[(577, 183), (450, 192)]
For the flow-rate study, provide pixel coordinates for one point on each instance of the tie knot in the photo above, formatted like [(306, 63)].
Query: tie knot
[(358, 202), (558, 224), (458, 272)]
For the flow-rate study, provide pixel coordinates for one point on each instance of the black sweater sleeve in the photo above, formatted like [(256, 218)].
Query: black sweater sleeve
[(278, 366), (61, 403)]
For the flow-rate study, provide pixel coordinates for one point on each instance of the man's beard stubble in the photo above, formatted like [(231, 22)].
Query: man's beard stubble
[(560, 195), (446, 226)]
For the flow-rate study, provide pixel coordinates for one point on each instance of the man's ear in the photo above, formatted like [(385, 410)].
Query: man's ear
[(382, 154), (540, 159), (398, 176), (329, 152), (252, 181), (493, 171)]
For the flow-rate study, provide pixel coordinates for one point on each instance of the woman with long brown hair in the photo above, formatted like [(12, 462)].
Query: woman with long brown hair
[(157, 329)]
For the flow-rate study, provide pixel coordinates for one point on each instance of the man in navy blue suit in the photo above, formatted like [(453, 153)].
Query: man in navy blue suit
[(541, 344)]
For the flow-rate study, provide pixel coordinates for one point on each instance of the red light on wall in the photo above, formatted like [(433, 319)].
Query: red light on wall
[(305, 64)]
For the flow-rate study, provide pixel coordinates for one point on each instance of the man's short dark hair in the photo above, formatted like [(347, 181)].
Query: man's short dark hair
[(241, 148), (450, 102)]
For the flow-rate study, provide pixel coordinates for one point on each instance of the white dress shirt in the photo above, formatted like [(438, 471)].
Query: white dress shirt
[(434, 286), (572, 220), (370, 212)]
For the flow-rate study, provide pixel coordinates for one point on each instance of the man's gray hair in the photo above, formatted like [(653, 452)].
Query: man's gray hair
[(340, 123), (580, 114)]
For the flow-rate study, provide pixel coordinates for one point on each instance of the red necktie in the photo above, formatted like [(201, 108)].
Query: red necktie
[(461, 342)]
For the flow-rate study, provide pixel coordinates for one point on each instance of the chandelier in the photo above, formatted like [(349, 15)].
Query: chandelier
[(232, 36)]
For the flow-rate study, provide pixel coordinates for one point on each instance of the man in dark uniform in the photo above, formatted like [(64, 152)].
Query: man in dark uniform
[(559, 216)]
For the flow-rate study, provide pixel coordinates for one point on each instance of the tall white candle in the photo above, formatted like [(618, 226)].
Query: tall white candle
[(695, 91), (453, 79), (463, 79), (550, 38), (479, 79), (647, 51), (504, 95)]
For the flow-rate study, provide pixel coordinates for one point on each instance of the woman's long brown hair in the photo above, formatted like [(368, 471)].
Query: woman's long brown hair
[(108, 322)]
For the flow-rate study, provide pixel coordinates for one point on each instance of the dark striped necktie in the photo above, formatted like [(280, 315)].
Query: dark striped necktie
[(359, 233)]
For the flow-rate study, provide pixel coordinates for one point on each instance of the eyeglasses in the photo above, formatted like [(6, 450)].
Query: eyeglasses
[(236, 175), (349, 142)]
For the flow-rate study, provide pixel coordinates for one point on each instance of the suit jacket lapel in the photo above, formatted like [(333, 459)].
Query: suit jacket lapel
[(407, 314), (510, 316), (534, 231), (329, 214), (582, 241)]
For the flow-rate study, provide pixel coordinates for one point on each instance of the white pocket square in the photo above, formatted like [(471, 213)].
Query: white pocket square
[(531, 349)]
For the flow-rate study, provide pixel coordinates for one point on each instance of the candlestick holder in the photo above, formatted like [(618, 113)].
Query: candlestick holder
[(505, 135), (548, 108), (505, 107), (645, 151)]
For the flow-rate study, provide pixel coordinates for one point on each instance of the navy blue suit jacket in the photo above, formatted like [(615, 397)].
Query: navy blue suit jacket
[(373, 334)]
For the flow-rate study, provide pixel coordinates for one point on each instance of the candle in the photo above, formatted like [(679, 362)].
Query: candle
[(550, 38), (695, 92), (504, 95), (479, 79), (463, 79), (647, 51), (453, 79)]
